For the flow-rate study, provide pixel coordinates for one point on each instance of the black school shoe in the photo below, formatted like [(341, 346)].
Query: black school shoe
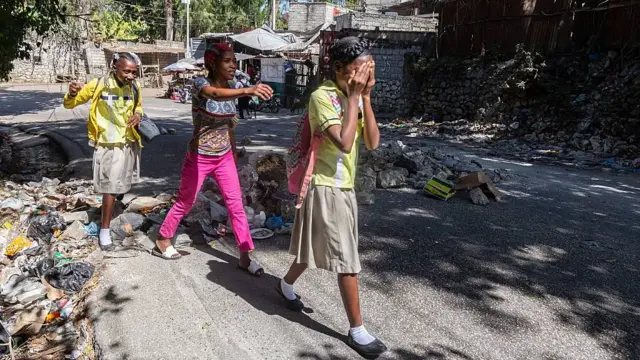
[(370, 351), (107, 248), (293, 305)]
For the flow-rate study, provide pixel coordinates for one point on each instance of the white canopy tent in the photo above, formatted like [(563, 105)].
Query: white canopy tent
[(180, 66)]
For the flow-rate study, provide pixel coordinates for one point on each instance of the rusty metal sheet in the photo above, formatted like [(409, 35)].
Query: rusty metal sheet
[(469, 27)]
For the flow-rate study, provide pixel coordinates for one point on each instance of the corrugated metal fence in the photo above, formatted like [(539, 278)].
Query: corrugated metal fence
[(469, 27)]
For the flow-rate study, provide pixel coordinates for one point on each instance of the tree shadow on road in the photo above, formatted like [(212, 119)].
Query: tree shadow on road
[(13, 103), (564, 243), (570, 241), (418, 352)]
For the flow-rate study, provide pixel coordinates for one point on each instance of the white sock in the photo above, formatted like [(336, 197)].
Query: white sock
[(361, 335), (287, 290), (105, 237)]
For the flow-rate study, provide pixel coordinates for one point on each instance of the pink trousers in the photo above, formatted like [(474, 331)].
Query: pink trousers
[(195, 169)]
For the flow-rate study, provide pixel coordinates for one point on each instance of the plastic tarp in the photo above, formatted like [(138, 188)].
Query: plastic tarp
[(261, 39)]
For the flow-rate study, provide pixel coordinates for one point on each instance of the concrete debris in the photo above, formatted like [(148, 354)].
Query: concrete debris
[(491, 190), (246, 141), (81, 216), (478, 197), (75, 231), (365, 198), (396, 164), (144, 204), (125, 225), (392, 178)]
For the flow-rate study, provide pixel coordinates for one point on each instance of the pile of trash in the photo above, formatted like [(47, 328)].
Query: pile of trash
[(270, 209), (396, 165), (582, 107), (47, 267), (49, 255)]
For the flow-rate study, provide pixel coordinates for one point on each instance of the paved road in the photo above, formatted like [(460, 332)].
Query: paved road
[(551, 273)]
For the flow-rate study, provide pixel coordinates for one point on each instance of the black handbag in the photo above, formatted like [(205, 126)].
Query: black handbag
[(147, 128)]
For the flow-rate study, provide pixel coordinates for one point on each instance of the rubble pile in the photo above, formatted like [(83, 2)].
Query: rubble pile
[(396, 165), (582, 107), (48, 263)]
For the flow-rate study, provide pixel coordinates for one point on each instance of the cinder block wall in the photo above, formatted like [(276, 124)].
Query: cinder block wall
[(307, 16), (368, 21)]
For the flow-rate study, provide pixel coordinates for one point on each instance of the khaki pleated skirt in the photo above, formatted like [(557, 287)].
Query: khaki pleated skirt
[(325, 230), (115, 168)]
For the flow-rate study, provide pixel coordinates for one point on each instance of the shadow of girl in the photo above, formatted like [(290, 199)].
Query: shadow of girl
[(259, 292)]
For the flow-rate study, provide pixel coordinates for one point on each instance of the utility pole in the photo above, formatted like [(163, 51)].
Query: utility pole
[(188, 2), (168, 13), (274, 11)]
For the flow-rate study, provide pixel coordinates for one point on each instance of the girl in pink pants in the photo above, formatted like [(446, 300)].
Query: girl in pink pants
[(212, 153)]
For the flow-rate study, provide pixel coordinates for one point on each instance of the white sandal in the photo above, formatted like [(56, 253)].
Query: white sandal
[(170, 253), (254, 268)]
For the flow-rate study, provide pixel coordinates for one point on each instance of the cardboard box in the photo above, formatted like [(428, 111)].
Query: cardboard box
[(472, 181)]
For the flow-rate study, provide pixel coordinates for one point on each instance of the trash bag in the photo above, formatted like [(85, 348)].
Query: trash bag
[(5, 337), (36, 266), (12, 203), (42, 267), (274, 223), (43, 224), (70, 277)]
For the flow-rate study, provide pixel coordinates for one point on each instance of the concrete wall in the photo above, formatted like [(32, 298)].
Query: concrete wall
[(307, 16), (92, 60), (375, 5), (382, 22), (388, 95), (47, 61), (95, 61)]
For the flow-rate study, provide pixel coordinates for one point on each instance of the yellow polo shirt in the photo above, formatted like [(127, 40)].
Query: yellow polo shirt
[(334, 168)]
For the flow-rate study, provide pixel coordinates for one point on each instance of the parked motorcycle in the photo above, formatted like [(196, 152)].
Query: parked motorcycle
[(185, 94), (271, 105)]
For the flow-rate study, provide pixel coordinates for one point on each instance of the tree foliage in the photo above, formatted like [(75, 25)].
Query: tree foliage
[(19, 18), (111, 24), (225, 15), (28, 22)]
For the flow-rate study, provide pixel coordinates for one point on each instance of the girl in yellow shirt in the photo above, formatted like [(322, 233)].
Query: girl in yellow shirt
[(325, 230)]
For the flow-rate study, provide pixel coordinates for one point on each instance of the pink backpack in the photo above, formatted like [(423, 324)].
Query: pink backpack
[(301, 158)]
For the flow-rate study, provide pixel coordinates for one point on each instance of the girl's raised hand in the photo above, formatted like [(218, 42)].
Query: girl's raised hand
[(358, 80), (372, 78)]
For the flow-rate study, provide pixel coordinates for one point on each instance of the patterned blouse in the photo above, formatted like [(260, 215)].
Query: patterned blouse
[(211, 122)]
